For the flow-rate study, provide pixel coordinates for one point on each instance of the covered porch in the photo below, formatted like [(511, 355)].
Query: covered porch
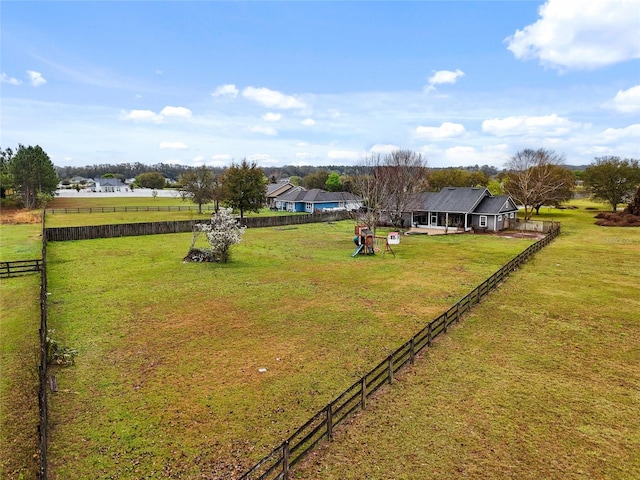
[(441, 221)]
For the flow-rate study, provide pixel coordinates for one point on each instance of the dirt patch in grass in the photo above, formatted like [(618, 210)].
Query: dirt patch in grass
[(514, 234), (14, 216)]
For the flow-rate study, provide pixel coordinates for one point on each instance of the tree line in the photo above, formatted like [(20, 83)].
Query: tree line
[(385, 182)]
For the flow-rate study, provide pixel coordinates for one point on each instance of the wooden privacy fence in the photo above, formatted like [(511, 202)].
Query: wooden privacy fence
[(19, 267), (277, 464), (61, 234), (156, 208), (544, 226)]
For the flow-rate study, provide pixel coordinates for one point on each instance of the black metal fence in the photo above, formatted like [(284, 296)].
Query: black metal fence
[(43, 425), (277, 464), (19, 267)]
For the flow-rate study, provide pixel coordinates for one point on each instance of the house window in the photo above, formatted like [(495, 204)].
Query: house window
[(483, 220), (499, 218), (511, 215), (309, 207)]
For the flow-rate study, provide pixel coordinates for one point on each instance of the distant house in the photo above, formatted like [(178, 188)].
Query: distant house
[(464, 209), (299, 199), (276, 189), (109, 185)]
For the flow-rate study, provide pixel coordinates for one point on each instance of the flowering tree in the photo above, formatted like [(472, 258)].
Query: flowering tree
[(222, 233)]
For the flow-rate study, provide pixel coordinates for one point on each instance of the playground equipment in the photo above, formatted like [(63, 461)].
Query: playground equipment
[(368, 244)]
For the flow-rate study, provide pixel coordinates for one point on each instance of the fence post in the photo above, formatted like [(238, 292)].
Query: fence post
[(412, 351), (363, 393), (329, 422), (445, 321), (390, 367), (285, 460), (429, 334)]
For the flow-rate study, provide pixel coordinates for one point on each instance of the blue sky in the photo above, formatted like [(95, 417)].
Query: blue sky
[(320, 83)]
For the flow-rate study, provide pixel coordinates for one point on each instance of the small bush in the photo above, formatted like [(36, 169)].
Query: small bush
[(200, 255), (59, 355)]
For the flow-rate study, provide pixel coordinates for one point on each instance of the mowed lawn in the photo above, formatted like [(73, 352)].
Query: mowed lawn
[(188, 210), (167, 381), (541, 381), (19, 359)]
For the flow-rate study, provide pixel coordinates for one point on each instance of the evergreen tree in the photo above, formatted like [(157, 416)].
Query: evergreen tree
[(245, 187), (33, 174)]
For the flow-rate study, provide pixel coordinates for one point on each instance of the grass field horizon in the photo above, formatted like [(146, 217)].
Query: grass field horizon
[(150, 380), (167, 376)]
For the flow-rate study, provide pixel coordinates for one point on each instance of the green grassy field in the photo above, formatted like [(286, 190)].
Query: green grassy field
[(540, 381), (167, 380), (19, 325), (20, 242), (108, 218)]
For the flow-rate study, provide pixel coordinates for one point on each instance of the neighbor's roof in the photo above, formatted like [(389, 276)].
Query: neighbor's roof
[(278, 188), (110, 182), (316, 195)]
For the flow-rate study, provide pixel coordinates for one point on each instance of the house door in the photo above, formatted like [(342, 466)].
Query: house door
[(434, 219)]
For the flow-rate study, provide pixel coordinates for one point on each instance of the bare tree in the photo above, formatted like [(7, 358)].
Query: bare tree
[(387, 184), (406, 175), (536, 177)]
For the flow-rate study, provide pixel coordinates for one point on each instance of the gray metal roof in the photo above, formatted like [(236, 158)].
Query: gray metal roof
[(462, 200), (450, 199), (495, 205), (316, 195)]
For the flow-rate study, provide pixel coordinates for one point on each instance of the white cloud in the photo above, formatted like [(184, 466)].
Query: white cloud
[(305, 155), (4, 78), (180, 112), (173, 146), (229, 90), (150, 116), (272, 117), (264, 130), (444, 76), (271, 98), (443, 132), (465, 155), (308, 122), (627, 101), (36, 78), (617, 134), (380, 148), (260, 157), (349, 155), (221, 157), (541, 126), (583, 34), (143, 115), (173, 162)]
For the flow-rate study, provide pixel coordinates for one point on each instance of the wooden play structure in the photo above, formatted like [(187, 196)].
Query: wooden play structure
[(369, 244)]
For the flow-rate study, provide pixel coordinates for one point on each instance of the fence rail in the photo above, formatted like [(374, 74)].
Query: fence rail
[(277, 464), (19, 267), (61, 234)]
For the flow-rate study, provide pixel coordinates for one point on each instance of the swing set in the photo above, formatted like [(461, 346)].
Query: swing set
[(369, 244)]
